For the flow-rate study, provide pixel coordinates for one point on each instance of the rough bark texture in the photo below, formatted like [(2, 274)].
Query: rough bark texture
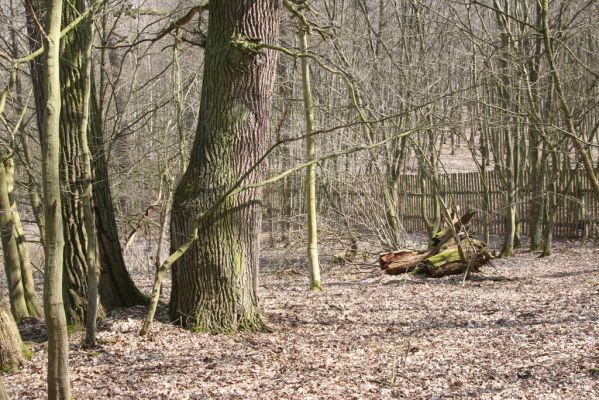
[(72, 167), (116, 286), (215, 282), (11, 347)]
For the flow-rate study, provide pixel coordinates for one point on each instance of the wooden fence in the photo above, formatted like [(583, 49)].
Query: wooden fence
[(578, 215)]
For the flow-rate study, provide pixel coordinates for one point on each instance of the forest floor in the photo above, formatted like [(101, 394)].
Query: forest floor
[(527, 328)]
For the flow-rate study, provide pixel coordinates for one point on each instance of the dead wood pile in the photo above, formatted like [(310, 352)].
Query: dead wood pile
[(446, 256)]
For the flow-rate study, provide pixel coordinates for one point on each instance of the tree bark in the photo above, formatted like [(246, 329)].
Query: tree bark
[(12, 266), (73, 123), (58, 345), (215, 282), (33, 307), (311, 199), (3, 394), (116, 287), (11, 347)]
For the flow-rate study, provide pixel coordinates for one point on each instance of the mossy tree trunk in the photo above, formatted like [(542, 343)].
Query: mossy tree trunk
[(33, 307), (20, 104), (215, 282), (58, 343), (12, 266), (11, 347)]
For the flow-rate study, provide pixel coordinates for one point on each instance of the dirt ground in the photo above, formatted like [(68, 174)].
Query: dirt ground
[(526, 329)]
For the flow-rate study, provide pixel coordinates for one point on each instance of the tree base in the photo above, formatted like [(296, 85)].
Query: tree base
[(219, 323)]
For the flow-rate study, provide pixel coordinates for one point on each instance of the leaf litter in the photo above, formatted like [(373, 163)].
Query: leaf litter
[(527, 328)]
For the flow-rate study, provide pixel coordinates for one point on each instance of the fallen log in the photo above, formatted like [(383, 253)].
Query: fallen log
[(401, 262), (445, 235), (445, 256), (449, 261)]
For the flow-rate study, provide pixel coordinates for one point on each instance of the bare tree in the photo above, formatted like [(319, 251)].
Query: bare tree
[(215, 282), (59, 386)]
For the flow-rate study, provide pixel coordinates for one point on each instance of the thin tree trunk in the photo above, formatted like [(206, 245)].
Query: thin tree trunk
[(550, 213), (215, 282), (510, 201), (537, 193), (91, 246), (160, 269), (58, 345), (33, 307), (311, 200), (575, 136), (12, 266)]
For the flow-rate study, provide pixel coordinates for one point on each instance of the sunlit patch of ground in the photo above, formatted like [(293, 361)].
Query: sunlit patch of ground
[(528, 328)]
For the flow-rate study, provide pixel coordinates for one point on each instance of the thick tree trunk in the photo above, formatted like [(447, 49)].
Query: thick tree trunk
[(215, 282), (116, 286), (11, 347), (73, 121), (58, 342)]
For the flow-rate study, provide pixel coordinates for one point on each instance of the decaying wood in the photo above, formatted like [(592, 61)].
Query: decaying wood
[(401, 262), (445, 235), (443, 258), (449, 262)]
